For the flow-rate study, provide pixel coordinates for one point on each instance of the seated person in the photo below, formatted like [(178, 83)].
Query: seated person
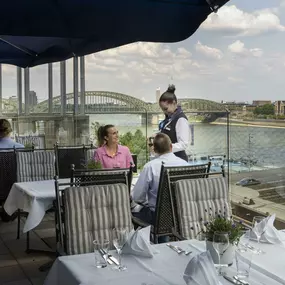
[(145, 190), (5, 132), (110, 153)]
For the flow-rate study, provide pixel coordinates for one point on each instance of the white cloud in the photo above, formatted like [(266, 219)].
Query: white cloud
[(238, 47), (210, 52), (142, 61), (235, 79), (9, 70), (231, 19)]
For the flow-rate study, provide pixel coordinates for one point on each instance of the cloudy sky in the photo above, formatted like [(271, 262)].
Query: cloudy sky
[(237, 54)]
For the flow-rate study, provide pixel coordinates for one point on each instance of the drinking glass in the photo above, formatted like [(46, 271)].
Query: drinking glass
[(258, 230), (120, 236), (243, 261), (220, 244), (101, 249)]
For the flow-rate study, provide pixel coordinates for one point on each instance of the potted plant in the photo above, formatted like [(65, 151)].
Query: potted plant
[(221, 223), (93, 164)]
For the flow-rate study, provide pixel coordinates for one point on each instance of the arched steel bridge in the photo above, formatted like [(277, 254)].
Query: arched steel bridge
[(102, 102)]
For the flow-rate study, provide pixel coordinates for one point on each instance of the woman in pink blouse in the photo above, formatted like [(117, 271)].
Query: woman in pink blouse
[(110, 153)]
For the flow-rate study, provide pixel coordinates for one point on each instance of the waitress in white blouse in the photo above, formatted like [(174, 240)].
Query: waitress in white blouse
[(175, 124)]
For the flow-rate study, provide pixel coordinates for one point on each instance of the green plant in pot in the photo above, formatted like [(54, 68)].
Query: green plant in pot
[(222, 223), (93, 164), (29, 145)]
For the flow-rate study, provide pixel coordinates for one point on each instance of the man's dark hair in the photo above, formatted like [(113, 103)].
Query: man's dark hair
[(162, 144)]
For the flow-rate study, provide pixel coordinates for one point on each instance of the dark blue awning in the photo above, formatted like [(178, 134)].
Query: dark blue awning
[(37, 32)]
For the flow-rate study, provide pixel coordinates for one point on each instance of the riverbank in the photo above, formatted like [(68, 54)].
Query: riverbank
[(252, 123)]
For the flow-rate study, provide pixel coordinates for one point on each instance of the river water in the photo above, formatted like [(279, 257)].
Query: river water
[(262, 144)]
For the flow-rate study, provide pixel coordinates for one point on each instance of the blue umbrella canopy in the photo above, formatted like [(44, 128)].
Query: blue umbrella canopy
[(37, 32)]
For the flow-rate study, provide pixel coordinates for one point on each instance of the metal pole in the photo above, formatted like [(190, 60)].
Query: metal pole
[(19, 90), (50, 86), (146, 150), (75, 85), (82, 85), (0, 89), (228, 146), (27, 90), (63, 87)]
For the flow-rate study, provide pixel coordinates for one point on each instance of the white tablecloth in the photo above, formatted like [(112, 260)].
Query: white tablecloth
[(166, 267), (36, 198), (33, 197)]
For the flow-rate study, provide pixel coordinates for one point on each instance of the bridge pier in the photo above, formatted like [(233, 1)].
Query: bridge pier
[(25, 126), (67, 131), (146, 119)]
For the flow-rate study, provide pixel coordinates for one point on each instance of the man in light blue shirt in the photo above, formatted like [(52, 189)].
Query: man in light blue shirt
[(145, 190), (5, 140)]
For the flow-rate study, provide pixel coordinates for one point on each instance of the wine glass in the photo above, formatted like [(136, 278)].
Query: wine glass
[(220, 244), (120, 236), (258, 230)]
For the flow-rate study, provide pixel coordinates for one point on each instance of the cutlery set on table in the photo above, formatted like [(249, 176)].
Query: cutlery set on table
[(234, 279), (178, 249)]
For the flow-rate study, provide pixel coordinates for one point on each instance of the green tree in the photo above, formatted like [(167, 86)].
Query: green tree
[(94, 127), (137, 144), (267, 109)]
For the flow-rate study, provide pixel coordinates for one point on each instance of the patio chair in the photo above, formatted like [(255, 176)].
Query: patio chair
[(37, 165), (164, 223), (135, 160), (66, 156), (87, 213), (197, 201), (89, 152), (86, 177), (8, 176)]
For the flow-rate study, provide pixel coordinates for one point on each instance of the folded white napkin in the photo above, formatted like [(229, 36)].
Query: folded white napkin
[(269, 233), (138, 243), (201, 270)]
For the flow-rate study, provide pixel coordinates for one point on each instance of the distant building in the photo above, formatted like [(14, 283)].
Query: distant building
[(13, 99), (157, 94), (279, 107), (239, 107), (33, 99), (260, 102)]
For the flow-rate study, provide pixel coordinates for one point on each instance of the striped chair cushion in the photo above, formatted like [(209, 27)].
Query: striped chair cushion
[(35, 166), (198, 200), (92, 212)]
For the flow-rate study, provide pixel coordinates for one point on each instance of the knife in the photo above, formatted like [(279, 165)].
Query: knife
[(232, 280)]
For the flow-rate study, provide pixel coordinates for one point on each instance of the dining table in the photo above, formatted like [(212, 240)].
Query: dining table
[(35, 198), (166, 267)]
